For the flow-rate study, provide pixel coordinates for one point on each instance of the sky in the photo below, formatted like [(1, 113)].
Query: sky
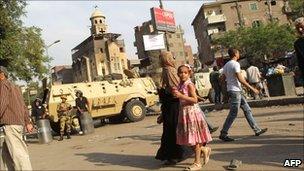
[(68, 21)]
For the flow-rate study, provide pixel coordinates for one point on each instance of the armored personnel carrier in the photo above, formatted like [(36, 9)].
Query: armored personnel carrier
[(203, 85), (108, 99)]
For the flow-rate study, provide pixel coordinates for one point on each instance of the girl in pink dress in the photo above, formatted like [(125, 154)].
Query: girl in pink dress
[(192, 129)]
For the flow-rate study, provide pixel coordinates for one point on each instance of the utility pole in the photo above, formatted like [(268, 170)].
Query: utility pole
[(239, 14), (47, 53), (28, 96), (161, 6), (269, 10)]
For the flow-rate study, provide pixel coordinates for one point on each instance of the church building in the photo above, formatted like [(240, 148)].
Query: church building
[(101, 54)]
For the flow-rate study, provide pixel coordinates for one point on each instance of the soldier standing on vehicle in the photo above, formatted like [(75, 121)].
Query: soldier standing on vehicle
[(63, 110)]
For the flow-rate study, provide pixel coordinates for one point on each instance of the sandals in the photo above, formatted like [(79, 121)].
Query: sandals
[(234, 164), (206, 151), (194, 166)]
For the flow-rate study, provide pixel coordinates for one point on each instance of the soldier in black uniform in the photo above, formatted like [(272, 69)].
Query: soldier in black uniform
[(82, 102), (38, 110), (82, 105)]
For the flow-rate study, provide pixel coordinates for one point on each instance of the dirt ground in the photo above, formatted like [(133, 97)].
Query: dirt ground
[(132, 146)]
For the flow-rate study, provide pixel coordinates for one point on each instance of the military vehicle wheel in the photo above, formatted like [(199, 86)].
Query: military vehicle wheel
[(135, 110)]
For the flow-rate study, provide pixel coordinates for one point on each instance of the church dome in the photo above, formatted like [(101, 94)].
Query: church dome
[(97, 13)]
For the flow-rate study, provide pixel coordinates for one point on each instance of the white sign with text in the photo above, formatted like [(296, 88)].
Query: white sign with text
[(154, 42)]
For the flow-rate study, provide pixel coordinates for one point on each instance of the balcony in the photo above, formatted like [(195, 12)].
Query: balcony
[(217, 35), (212, 19)]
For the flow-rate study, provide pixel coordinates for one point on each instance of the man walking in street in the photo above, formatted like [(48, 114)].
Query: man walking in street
[(13, 117), (234, 79), (299, 44), (215, 82)]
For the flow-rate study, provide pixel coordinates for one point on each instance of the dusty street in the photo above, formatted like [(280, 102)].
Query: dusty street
[(132, 146)]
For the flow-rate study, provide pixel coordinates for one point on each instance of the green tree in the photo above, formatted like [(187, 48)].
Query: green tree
[(297, 7), (22, 47), (31, 87), (272, 40)]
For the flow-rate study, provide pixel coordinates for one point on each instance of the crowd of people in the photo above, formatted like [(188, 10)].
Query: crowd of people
[(255, 77), (252, 75), (185, 130)]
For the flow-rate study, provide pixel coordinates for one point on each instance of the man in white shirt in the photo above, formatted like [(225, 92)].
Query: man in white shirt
[(254, 79), (232, 75), (253, 74)]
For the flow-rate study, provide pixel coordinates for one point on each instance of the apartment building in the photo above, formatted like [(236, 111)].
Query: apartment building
[(150, 59), (215, 18)]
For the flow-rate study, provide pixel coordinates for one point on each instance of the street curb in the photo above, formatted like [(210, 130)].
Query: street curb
[(259, 103)]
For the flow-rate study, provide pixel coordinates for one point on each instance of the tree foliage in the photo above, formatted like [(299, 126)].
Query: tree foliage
[(272, 40), (297, 7), (27, 96), (22, 47)]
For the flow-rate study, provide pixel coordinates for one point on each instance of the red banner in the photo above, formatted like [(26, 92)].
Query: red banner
[(164, 17), (164, 20)]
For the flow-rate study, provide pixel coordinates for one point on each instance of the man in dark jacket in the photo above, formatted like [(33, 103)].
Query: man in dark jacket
[(216, 85), (38, 110), (299, 44), (82, 105)]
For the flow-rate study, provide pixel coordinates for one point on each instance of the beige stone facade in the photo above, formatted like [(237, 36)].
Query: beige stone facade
[(189, 54), (175, 44), (100, 54), (215, 18)]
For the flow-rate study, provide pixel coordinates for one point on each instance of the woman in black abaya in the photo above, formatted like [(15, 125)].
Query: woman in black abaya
[(169, 151)]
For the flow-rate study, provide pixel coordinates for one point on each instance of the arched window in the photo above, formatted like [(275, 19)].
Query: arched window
[(100, 21), (96, 21), (123, 64), (257, 23)]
